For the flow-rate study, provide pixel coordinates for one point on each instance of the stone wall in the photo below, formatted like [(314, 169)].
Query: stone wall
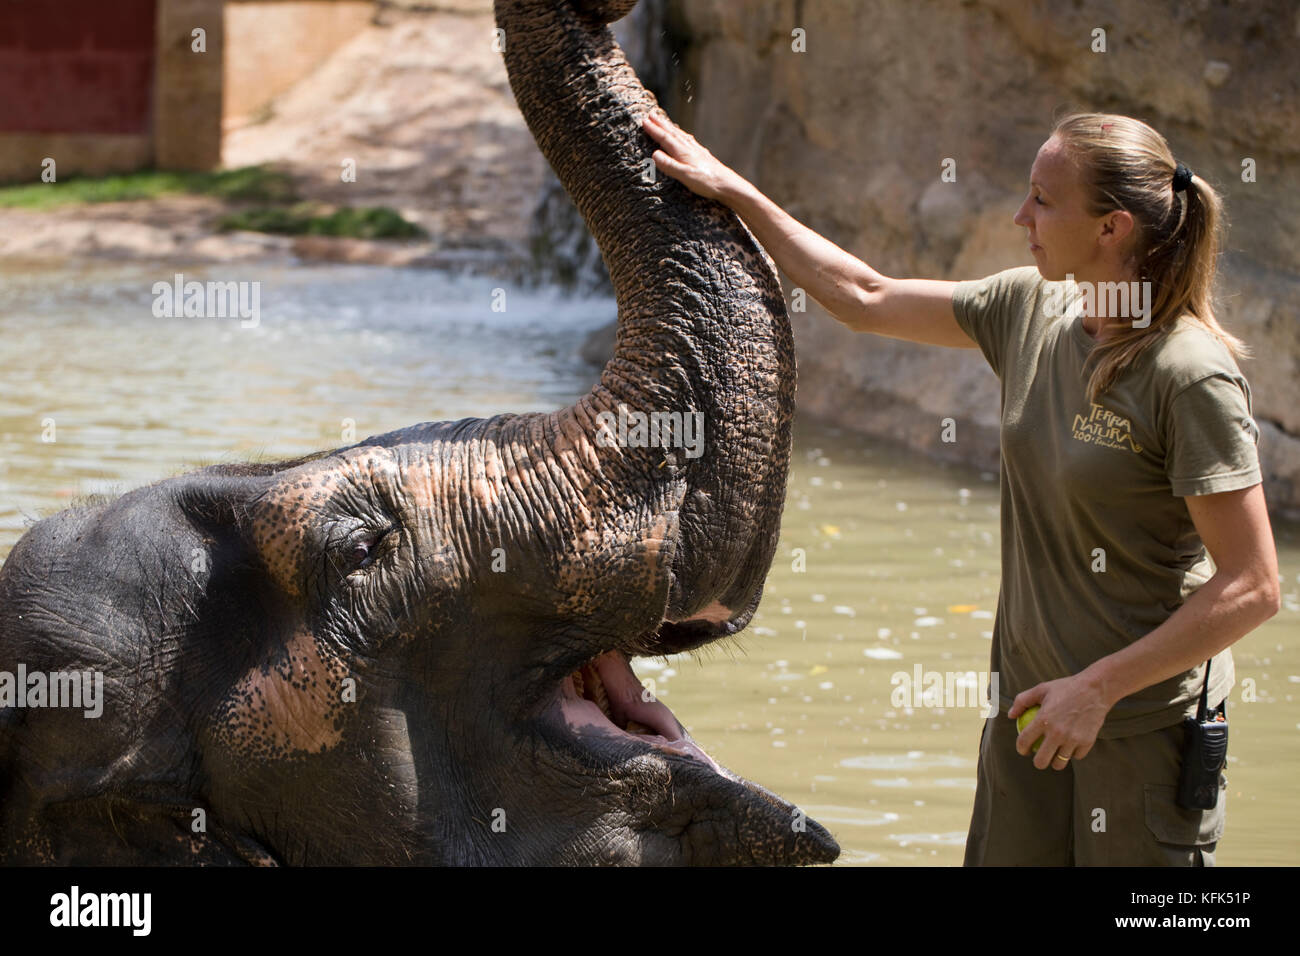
[(187, 92), (850, 135), (76, 81), (104, 89), (119, 87)]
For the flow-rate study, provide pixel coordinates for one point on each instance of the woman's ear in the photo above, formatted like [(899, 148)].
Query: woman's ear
[(1117, 228)]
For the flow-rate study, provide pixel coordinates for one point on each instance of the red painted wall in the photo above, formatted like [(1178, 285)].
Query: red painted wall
[(76, 66)]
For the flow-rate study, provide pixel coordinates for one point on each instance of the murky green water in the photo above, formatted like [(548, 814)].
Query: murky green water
[(897, 561)]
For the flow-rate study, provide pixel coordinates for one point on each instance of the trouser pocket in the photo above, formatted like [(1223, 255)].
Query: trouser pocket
[(1185, 837)]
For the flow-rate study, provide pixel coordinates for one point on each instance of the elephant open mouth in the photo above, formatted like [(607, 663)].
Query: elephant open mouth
[(611, 721), (605, 700)]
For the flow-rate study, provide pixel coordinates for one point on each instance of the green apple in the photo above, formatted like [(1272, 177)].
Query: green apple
[(1024, 720)]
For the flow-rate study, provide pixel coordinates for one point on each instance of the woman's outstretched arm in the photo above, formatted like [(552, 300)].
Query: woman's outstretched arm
[(919, 310)]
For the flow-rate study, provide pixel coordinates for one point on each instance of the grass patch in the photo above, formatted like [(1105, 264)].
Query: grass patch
[(246, 184), (277, 209), (374, 222)]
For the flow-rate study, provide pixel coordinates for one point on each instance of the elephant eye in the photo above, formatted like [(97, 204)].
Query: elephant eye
[(364, 549)]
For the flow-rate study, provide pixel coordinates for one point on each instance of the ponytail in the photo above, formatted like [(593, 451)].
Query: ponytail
[(1127, 165)]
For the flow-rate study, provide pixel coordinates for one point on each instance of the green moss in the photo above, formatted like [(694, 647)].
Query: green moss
[(246, 184), (374, 222), (270, 189)]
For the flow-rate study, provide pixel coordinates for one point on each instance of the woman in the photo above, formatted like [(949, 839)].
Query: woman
[(1128, 456)]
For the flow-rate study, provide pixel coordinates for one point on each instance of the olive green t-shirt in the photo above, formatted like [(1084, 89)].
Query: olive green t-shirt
[(1098, 548)]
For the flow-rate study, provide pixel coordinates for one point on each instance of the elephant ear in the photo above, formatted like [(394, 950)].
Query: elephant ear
[(239, 511), (277, 684), (245, 607), (214, 500), (218, 506), (229, 584)]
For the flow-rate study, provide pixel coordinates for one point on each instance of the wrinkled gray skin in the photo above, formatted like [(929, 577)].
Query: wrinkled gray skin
[(231, 610)]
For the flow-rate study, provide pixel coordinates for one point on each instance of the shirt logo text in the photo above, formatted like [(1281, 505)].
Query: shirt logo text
[(1104, 427)]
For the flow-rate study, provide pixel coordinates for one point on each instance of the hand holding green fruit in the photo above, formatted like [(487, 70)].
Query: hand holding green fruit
[(1024, 720)]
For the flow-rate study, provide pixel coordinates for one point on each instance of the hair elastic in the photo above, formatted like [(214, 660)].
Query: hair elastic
[(1182, 177)]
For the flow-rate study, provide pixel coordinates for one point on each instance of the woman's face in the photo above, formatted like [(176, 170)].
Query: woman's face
[(1062, 236)]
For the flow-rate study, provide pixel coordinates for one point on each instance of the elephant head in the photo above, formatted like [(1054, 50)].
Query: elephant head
[(416, 648)]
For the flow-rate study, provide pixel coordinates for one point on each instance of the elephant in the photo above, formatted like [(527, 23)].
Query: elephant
[(416, 649)]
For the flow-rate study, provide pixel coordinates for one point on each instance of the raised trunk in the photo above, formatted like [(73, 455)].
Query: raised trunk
[(702, 321)]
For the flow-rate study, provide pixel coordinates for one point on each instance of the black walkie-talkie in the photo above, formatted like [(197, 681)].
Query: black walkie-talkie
[(1205, 753)]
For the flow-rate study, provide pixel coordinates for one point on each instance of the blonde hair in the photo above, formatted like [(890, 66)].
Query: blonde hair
[(1126, 165)]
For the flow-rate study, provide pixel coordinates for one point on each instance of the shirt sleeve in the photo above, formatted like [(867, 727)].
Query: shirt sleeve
[(994, 309), (1213, 442)]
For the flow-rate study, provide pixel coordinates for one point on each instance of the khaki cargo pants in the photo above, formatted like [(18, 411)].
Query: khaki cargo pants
[(1115, 807)]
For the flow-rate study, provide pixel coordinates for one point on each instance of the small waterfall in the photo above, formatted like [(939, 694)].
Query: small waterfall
[(561, 249)]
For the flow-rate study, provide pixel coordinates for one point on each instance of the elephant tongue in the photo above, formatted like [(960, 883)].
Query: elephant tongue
[(605, 696)]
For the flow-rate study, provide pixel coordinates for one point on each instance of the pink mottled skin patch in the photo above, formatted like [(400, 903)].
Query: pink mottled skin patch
[(292, 706)]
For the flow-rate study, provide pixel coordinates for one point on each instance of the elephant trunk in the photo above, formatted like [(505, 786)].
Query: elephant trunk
[(703, 329)]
